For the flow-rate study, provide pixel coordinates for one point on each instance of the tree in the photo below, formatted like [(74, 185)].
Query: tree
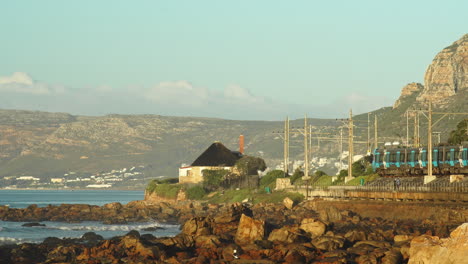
[(459, 135), (297, 175), (212, 179), (249, 165)]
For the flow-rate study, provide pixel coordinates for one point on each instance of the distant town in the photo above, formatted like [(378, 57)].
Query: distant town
[(125, 178)]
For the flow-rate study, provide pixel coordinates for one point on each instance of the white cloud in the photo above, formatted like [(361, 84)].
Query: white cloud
[(180, 98), (21, 82), (16, 78), (235, 92)]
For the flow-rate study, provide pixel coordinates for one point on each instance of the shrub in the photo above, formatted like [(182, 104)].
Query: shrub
[(212, 179), (269, 180), (248, 165), (165, 190), (297, 175), (196, 192)]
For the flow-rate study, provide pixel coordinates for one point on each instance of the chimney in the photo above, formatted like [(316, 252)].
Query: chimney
[(241, 144)]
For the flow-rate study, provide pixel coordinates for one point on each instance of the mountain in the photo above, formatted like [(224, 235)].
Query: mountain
[(51, 144)]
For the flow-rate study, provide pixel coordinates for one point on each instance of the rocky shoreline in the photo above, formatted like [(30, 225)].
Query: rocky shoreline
[(310, 232)]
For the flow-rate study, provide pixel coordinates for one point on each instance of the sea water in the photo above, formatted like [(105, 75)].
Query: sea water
[(14, 232)]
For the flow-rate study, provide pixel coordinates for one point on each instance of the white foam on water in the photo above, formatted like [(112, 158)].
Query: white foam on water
[(13, 240), (85, 227)]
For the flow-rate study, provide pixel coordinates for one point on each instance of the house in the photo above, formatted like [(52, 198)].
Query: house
[(215, 157)]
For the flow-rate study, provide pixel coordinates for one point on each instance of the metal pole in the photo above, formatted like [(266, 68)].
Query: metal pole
[(407, 128), (306, 156), (429, 141), (287, 144), (285, 165), (350, 145), (341, 148), (376, 142), (368, 133)]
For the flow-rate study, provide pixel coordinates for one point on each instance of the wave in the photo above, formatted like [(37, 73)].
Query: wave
[(13, 240), (110, 227)]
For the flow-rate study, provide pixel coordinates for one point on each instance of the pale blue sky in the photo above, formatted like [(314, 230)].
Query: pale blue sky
[(227, 59)]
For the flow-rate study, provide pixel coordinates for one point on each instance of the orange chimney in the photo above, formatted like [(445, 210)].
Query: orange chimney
[(241, 144)]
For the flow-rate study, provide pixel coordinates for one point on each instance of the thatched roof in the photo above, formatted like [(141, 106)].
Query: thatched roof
[(217, 155)]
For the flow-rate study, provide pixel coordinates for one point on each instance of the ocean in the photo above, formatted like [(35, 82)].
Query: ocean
[(14, 232)]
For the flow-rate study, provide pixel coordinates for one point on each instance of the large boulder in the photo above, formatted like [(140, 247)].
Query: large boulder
[(434, 250), (286, 235), (198, 226), (249, 230), (313, 226)]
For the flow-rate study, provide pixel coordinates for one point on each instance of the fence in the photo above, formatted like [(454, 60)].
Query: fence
[(390, 187)]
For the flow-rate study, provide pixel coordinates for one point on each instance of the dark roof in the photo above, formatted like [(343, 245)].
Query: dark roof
[(217, 155)]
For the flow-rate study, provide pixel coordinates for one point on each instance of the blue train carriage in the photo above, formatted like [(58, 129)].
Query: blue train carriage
[(446, 160)]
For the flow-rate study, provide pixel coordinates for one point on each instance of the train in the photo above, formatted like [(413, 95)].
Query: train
[(410, 162)]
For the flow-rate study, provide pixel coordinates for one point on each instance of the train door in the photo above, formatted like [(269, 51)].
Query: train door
[(451, 157), (423, 158), (397, 159), (435, 158), (465, 157)]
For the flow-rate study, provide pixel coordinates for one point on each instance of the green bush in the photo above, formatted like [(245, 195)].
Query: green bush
[(196, 192), (297, 175), (165, 190), (212, 179), (249, 165), (269, 180)]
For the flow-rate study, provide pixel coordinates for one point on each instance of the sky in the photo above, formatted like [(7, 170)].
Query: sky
[(243, 60)]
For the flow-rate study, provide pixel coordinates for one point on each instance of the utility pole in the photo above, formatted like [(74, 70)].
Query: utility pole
[(341, 148), (350, 146), (286, 146), (407, 128), (310, 141), (368, 134), (376, 141), (306, 156), (429, 141)]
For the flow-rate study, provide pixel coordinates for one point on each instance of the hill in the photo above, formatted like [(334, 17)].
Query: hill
[(51, 144)]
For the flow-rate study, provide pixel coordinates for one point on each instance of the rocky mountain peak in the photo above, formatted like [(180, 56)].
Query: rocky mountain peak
[(408, 90), (447, 75)]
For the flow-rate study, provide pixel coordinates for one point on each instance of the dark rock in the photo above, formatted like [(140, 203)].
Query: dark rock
[(32, 224)]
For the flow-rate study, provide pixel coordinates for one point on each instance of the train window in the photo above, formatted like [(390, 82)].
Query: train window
[(457, 154), (393, 157), (402, 157), (435, 155), (377, 157), (465, 154), (412, 156), (441, 155)]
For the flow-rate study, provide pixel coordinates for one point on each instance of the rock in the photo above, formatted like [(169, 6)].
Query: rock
[(448, 73), (376, 244), (328, 243), (32, 224), (91, 237), (408, 90), (392, 257), (402, 238), (434, 250), (330, 214), (288, 203), (354, 235), (210, 241), (249, 230), (152, 228), (313, 226), (286, 235), (198, 226)]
